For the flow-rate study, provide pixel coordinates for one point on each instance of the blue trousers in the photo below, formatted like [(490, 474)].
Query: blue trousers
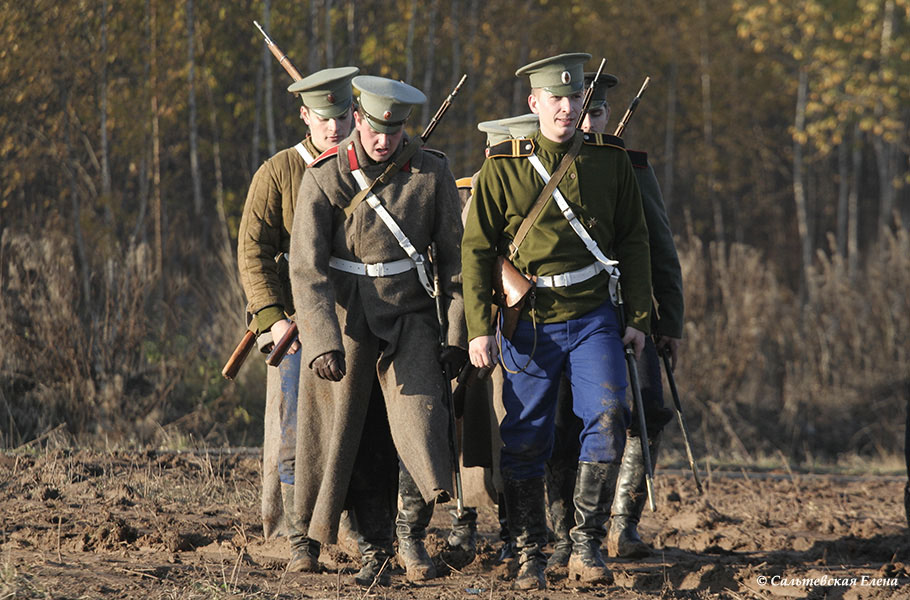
[(289, 372), (589, 351)]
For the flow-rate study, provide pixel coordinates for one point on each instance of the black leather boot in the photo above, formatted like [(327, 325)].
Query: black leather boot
[(907, 501), (374, 514), (560, 489), (507, 552), (527, 521), (623, 540), (464, 529), (594, 489), (304, 551), (411, 527)]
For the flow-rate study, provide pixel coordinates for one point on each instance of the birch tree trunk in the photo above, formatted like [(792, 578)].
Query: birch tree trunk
[(409, 44), (469, 100), (352, 33), (885, 155), (853, 204), (312, 54), (670, 137), (799, 190), (76, 207), (102, 97), (430, 65), (708, 126), (194, 130), (520, 85), (254, 146), (157, 208), (329, 50), (843, 194)]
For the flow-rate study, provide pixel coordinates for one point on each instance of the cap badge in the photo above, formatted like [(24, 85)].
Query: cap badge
[(330, 98), (566, 78), (387, 115)]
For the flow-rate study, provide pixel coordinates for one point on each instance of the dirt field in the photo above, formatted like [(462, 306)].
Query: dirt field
[(80, 525)]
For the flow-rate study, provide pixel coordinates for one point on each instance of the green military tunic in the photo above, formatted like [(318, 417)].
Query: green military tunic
[(265, 232), (666, 276), (601, 189)]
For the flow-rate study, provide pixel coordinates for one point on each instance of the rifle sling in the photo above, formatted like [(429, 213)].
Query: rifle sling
[(546, 193), (406, 154)]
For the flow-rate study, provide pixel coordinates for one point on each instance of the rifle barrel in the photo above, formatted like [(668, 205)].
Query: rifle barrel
[(283, 59)]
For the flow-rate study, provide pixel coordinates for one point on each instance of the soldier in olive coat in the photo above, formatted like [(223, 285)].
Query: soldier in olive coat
[(365, 311), (571, 327), (263, 243)]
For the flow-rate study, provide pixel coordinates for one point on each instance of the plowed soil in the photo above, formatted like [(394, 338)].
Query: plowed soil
[(153, 525)]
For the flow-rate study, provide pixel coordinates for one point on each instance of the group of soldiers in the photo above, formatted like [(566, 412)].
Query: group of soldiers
[(336, 236)]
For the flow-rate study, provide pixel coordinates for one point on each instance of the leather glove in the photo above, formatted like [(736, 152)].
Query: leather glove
[(455, 359), (329, 366)]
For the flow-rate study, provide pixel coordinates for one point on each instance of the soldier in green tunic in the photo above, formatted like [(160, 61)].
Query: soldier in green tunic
[(571, 326), (263, 243)]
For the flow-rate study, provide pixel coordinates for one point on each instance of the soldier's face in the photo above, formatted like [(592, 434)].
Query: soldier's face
[(596, 119), (326, 133), (378, 146), (557, 113)]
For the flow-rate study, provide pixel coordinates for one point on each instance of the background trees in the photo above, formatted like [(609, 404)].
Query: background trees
[(129, 131)]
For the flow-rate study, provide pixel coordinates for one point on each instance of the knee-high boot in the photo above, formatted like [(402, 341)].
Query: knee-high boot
[(374, 514), (631, 493), (411, 527), (527, 523), (560, 506), (304, 551), (594, 490)]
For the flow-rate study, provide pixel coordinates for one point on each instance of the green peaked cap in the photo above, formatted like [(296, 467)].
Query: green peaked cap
[(327, 92), (521, 126), (386, 103), (604, 82), (495, 132), (560, 75)]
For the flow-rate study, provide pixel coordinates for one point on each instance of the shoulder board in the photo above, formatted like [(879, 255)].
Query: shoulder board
[(438, 153), (513, 148), (463, 183), (324, 156), (639, 158), (604, 139)]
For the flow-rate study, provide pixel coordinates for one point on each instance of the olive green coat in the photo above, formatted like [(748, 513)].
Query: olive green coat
[(385, 326), (601, 189), (265, 232)]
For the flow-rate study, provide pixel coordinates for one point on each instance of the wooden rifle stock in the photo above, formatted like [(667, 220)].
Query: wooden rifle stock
[(281, 348), (621, 128), (240, 353), (283, 59)]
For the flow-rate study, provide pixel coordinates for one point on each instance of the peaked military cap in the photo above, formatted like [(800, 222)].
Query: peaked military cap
[(496, 132), (560, 75), (521, 126), (327, 92), (604, 82), (386, 103)]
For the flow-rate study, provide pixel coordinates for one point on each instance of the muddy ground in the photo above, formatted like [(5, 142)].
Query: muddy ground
[(78, 524)]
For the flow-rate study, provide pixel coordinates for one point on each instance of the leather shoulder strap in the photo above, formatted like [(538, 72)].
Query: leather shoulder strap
[(400, 162), (545, 194)]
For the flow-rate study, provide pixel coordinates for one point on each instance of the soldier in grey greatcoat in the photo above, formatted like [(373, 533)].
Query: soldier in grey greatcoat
[(262, 246), (365, 311)]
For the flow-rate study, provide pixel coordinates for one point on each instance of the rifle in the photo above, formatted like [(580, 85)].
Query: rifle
[(668, 369), (621, 128), (589, 94), (239, 355), (395, 166), (447, 383), (283, 59), (639, 404)]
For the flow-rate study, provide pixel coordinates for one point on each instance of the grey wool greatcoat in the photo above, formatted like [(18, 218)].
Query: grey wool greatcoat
[(385, 326)]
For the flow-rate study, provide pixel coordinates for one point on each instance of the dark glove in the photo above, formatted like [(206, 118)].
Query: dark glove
[(454, 359), (329, 366)]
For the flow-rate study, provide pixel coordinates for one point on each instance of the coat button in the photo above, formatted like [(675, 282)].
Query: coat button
[(571, 175)]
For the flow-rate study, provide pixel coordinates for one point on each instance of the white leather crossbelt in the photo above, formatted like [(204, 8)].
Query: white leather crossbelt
[(570, 278), (372, 270)]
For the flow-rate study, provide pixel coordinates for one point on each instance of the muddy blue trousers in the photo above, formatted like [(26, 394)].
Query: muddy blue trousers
[(289, 373), (589, 351)]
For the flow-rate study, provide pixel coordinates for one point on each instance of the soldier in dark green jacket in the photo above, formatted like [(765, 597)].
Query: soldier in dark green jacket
[(572, 326), (262, 246), (666, 278)]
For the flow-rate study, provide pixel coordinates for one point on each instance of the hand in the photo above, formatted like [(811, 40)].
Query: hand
[(454, 358), (483, 351), (279, 328), (329, 366), (636, 339), (668, 344)]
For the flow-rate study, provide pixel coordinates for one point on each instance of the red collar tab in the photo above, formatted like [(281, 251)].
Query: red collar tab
[(352, 157)]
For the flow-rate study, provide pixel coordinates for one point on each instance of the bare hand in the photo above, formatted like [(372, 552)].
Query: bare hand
[(279, 328), (483, 351), (330, 366), (669, 344), (636, 339)]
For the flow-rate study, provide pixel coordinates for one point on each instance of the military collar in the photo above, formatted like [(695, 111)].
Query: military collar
[(547, 145), (367, 164)]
